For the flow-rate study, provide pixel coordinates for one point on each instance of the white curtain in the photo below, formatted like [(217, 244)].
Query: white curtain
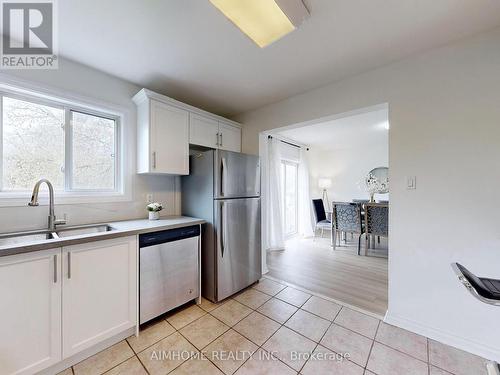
[(305, 209), (275, 236)]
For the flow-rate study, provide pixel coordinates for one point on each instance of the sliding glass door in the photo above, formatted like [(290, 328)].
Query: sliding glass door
[(289, 197)]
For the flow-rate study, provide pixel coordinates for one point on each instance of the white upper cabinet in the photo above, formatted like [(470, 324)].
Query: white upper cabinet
[(30, 286), (166, 127), (207, 132), (163, 137), (230, 137), (169, 139), (203, 131)]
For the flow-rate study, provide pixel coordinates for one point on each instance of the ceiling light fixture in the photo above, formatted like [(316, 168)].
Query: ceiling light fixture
[(264, 21)]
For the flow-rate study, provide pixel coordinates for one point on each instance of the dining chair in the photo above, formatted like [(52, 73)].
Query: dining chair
[(321, 221), (376, 220), (361, 202), (347, 219)]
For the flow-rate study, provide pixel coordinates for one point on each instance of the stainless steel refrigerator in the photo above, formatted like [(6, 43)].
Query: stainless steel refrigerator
[(223, 188)]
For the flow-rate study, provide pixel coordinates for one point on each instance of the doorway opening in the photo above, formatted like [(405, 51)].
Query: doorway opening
[(330, 248)]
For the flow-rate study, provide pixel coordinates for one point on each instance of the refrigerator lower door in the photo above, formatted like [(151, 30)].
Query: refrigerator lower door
[(236, 175), (239, 262)]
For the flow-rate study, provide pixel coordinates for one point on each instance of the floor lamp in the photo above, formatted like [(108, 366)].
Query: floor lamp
[(324, 184)]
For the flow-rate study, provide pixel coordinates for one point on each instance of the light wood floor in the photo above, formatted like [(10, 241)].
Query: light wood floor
[(360, 281)]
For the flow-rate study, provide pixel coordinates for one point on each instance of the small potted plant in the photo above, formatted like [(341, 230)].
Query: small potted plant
[(154, 210)]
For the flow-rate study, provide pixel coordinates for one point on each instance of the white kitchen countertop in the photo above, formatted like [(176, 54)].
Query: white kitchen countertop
[(120, 229)]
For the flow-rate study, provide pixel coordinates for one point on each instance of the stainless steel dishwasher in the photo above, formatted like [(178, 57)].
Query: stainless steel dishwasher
[(169, 270)]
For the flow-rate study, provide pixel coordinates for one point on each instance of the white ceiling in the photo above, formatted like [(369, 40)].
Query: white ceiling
[(369, 129), (188, 50)]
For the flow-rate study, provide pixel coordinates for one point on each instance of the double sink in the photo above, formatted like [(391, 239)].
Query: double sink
[(52, 232), (20, 238)]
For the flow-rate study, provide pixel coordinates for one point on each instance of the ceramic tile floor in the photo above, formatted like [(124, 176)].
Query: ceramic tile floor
[(272, 328)]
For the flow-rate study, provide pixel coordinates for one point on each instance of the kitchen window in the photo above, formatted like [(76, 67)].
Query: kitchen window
[(76, 148)]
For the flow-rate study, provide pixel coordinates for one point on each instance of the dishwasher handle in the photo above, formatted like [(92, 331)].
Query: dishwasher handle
[(156, 238)]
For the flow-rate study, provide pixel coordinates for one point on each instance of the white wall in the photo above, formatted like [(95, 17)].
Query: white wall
[(83, 81), (444, 111), (347, 168)]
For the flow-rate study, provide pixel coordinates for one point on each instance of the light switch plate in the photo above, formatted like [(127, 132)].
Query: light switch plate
[(411, 183)]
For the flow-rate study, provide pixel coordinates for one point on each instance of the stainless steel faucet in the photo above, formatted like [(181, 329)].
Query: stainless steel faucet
[(34, 202)]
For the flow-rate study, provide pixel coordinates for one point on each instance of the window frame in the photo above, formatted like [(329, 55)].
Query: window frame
[(68, 195), (295, 165), (68, 152)]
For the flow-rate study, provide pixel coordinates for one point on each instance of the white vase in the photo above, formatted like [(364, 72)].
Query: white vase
[(154, 215)]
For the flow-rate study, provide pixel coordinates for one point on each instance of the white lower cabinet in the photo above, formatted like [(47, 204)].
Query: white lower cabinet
[(99, 292), (56, 303), (30, 309)]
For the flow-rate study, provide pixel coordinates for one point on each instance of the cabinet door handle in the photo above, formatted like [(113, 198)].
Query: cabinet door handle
[(69, 265), (217, 139), (154, 159), (55, 268), (221, 140)]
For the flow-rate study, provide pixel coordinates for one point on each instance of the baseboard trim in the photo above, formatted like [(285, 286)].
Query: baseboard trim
[(73, 360), (444, 337)]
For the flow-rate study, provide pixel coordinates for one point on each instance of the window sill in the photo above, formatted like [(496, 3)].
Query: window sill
[(21, 199)]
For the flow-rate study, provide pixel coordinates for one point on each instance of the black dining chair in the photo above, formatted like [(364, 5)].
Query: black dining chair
[(347, 219), (321, 221)]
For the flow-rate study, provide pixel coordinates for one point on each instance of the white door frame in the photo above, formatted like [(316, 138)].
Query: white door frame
[(263, 153)]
